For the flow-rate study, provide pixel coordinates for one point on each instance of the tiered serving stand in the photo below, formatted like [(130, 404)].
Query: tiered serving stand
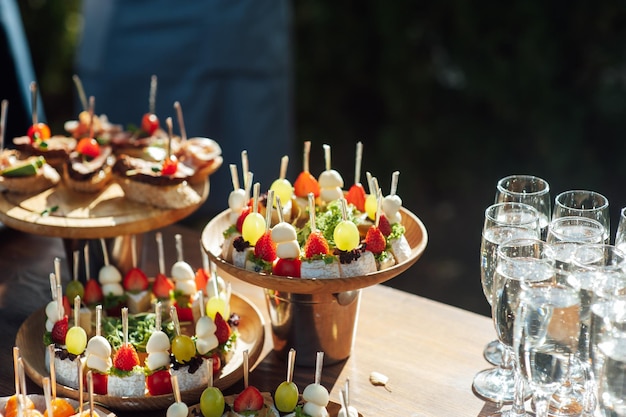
[(312, 315), (77, 218)]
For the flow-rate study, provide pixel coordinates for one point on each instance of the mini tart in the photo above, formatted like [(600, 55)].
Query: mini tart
[(56, 149), (46, 177), (191, 376), (200, 154), (131, 385), (143, 183), (135, 144), (89, 176), (268, 410)]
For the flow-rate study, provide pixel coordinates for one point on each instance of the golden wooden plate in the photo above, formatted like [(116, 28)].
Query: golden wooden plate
[(106, 214), (212, 239), (251, 337)]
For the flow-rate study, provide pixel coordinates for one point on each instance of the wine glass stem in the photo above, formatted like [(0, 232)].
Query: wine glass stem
[(518, 408), (541, 404)]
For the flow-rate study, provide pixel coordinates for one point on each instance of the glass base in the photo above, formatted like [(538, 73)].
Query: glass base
[(495, 384), (567, 401), (493, 352)]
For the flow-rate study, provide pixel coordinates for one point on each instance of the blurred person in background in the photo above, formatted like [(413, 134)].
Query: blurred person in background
[(16, 71), (227, 62)]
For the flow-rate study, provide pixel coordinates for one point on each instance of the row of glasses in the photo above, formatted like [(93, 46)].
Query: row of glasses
[(566, 225), (503, 222)]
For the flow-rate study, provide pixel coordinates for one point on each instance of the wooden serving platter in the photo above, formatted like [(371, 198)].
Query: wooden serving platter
[(62, 212), (212, 239), (251, 337)]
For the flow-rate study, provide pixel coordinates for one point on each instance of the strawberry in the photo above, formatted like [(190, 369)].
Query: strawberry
[(374, 240), (162, 287), (316, 244), (287, 267), (242, 217), (384, 226), (93, 293), (223, 329), (126, 358), (135, 281), (202, 279), (66, 304), (250, 399), (59, 331), (356, 196), (265, 248), (305, 184)]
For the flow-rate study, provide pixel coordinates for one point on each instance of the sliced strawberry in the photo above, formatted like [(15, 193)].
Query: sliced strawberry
[(66, 304), (265, 248), (100, 382), (162, 287), (202, 279), (374, 240), (242, 217), (135, 281), (126, 358), (384, 226), (223, 329), (93, 293), (59, 331), (184, 313), (250, 399), (287, 267), (305, 184), (316, 244), (356, 196)]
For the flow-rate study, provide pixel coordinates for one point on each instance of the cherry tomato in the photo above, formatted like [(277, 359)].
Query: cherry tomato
[(169, 166), (159, 383), (100, 382), (287, 267), (40, 131), (88, 147), (217, 363), (184, 313), (149, 123)]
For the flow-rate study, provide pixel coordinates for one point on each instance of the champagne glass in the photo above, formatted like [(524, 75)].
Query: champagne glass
[(612, 378), (565, 235), (546, 336), (584, 203), (535, 192), (527, 189), (518, 261), (503, 222)]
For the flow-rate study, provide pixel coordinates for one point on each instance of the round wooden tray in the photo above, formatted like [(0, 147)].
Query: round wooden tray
[(251, 337), (212, 239), (106, 214)]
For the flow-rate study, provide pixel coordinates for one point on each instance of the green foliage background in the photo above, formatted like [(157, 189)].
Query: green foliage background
[(453, 94)]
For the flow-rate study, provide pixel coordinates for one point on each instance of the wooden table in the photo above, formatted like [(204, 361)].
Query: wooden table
[(430, 351)]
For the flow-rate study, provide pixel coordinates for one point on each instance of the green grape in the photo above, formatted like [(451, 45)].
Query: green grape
[(371, 205), (282, 189), (217, 304), (212, 402), (253, 228), (183, 348), (73, 289), (346, 235), (76, 340), (286, 397)]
